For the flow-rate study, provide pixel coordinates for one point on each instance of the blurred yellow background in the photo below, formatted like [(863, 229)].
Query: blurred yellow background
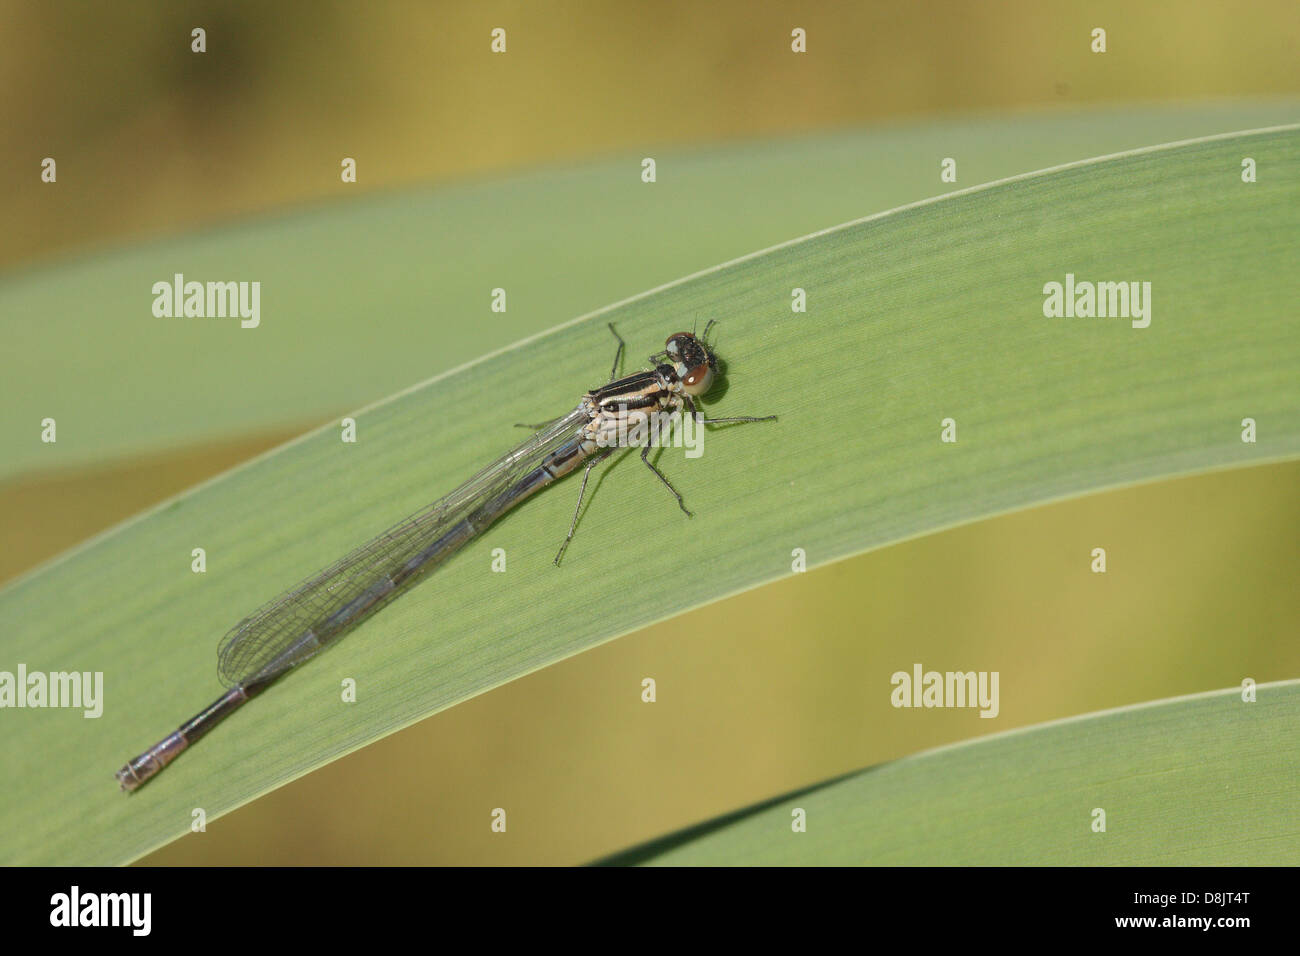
[(405, 88), (762, 692)]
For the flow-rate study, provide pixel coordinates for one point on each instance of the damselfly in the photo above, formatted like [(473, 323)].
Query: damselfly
[(295, 626)]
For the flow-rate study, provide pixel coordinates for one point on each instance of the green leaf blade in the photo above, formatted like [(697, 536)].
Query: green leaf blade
[(1208, 780), (931, 311)]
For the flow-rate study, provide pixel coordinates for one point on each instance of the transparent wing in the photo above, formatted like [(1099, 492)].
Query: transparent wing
[(293, 627)]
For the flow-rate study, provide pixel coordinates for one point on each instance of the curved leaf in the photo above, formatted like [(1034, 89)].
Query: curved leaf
[(929, 312), (1208, 780), (360, 298)]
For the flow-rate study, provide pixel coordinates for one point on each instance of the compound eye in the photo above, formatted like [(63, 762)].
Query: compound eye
[(673, 346), (698, 380)]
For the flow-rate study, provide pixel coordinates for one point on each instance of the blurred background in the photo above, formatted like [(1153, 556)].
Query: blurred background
[(776, 688)]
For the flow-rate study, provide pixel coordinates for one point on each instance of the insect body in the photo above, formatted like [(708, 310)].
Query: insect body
[(296, 625)]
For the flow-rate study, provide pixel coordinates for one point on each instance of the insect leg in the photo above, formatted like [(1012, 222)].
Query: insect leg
[(573, 525)]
